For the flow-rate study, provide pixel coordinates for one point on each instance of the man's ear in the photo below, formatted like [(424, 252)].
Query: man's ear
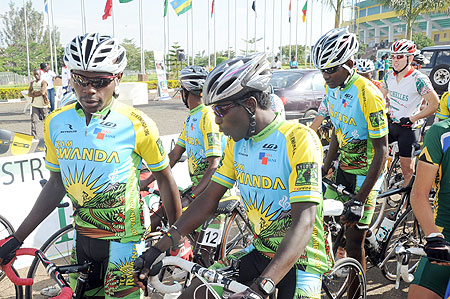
[(119, 76), (251, 104), (350, 63)]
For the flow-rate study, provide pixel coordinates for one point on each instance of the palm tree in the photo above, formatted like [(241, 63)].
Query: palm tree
[(410, 9), (336, 5)]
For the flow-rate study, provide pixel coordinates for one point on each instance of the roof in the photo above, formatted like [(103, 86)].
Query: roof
[(441, 47)]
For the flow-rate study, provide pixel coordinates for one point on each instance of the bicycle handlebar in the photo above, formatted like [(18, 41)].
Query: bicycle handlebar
[(339, 188), (403, 255), (193, 268)]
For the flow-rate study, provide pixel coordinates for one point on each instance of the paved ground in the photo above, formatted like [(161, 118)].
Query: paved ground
[(169, 116)]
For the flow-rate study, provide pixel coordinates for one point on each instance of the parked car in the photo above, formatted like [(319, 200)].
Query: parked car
[(300, 90), (439, 67)]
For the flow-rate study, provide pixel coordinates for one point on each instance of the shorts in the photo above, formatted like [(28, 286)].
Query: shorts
[(112, 273), (353, 183), (406, 138), (432, 276), (297, 283)]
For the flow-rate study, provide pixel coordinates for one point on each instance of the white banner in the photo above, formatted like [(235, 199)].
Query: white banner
[(163, 90)]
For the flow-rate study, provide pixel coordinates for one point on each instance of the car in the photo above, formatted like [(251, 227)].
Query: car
[(301, 91), (439, 67)]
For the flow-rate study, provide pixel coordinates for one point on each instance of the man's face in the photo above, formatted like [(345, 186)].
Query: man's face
[(335, 76), (98, 90), (37, 75), (232, 119), (47, 67), (399, 61)]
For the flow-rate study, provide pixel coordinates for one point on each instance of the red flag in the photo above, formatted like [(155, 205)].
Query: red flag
[(108, 9), (212, 8)]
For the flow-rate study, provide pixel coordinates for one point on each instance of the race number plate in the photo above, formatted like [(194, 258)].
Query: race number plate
[(211, 237)]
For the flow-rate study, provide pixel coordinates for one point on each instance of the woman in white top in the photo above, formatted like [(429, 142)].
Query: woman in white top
[(39, 101)]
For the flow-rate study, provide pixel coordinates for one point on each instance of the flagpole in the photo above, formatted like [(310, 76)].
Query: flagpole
[(83, 17), (228, 28), (54, 39), (321, 18), (306, 36), (165, 39), (215, 53), (209, 53), (265, 10), (296, 32), (246, 44), (273, 29), (235, 29), (281, 31), (26, 38), (112, 19), (310, 34), (168, 38), (141, 31), (50, 38), (192, 34), (187, 37), (290, 29), (254, 47)]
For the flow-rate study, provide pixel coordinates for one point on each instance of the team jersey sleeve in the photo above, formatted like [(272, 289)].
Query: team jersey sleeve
[(374, 110), (225, 175), (443, 111), (433, 145), (212, 138), (305, 157), (423, 84), (182, 138), (51, 157), (148, 143)]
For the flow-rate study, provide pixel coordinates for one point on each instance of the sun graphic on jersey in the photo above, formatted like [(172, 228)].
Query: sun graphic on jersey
[(80, 188), (259, 217), (193, 162), (125, 267), (342, 136)]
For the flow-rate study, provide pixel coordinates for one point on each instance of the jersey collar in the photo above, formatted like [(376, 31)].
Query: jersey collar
[(196, 109), (99, 114), (267, 131), (350, 82)]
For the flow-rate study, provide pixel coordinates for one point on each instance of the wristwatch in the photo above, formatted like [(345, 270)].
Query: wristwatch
[(265, 285)]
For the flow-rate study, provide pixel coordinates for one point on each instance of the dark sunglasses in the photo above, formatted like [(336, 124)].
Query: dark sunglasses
[(414, 64), (399, 56), (97, 82), (331, 70), (221, 110)]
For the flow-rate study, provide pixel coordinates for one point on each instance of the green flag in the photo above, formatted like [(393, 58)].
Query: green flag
[(125, 1), (165, 7)]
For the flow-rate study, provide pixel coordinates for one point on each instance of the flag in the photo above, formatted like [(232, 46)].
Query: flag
[(108, 9), (212, 8), (290, 1), (165, 7), (254, 6), (181, 6), (125, 1), (304, 11), (46, 6)]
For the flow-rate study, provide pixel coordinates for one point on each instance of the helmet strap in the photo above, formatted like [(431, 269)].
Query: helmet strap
[(350, 74), (398, 72), (252, 126), (184, 98)]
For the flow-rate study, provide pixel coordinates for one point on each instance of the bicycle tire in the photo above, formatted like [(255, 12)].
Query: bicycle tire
[(57, 252), (407, 231), (394, 177), (335, 283), (6, 229)]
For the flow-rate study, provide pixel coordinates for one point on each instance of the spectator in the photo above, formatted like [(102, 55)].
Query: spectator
[(65, 77), (293, 64), (48, 76), (386, 63), (276, 64), (381, 68), (375, 72), (39, 101)]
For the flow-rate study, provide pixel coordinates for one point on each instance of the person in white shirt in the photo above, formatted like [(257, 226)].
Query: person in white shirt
[(48, 76), (65, 77), (276, 64)]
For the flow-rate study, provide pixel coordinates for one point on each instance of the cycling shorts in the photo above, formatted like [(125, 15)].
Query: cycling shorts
[(353, 183), (112, 273), (407, 139), (297, 283), (432, 276)]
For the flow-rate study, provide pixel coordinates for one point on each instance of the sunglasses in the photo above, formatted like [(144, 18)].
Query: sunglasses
[(222, 110), (399, 56), (97, 82), (414, 64), (331, 70)]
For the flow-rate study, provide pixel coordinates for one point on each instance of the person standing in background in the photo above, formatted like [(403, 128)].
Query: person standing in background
[(276, 64), (386, 64), (65, 77), (39, 101), (381, 66), (293, 64), (48, 76)]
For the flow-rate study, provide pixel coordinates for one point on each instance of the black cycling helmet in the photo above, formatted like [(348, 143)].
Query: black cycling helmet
[(420, 59), (192, 78)]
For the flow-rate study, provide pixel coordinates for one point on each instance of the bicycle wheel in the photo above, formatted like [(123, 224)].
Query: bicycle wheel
[(58, 249), (346, 272), (394, 177), (406, 232), (7, 288)]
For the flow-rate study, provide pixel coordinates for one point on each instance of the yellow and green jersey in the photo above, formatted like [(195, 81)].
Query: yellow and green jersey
[(443, 111)]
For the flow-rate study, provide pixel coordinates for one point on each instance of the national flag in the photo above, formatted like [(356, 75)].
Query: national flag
[(290, 10), (46, 6), (181, 6), (212, 8), (108, 9), (254, 6), (304, 11), (125, 1), (165, 7)]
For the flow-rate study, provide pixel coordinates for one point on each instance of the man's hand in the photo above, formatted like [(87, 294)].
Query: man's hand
[(8, 249), (247, 294), (405, 122), (353, 212), (437, 249), (143, 264), (184, 251)]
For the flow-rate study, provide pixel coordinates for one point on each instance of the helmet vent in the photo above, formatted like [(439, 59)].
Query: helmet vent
[(88, 50)]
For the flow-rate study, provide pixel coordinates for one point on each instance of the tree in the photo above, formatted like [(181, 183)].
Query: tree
[(336, 5), (421, 40), (410, 9)]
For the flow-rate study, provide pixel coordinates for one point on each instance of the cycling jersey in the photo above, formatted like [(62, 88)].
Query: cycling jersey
[(99, 165), (201, 139), (405, 97), (377, 83), (279, 166), (435, 151), (358, 114), (443, 111)]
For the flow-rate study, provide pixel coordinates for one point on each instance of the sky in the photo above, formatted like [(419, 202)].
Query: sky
[(67, 17)]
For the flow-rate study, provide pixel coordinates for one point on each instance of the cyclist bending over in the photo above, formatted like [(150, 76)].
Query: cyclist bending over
[(357, 112), (94, 149), (406, 87), (277, 165)]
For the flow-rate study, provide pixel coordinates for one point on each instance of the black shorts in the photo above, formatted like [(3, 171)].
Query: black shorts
[(406, 138)]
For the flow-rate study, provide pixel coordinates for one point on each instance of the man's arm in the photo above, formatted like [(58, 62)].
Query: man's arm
[(380, 146), (213, 164), (332, 152), (169, 193), (50, 196), (432, 100), (41, 92)]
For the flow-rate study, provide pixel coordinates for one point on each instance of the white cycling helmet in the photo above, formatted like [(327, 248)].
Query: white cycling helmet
[(93, 52), (334, 48), (403, 46), (236, 77), (192, 78), (364, 66)]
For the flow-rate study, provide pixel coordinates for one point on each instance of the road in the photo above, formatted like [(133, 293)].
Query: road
[(169, 117)]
